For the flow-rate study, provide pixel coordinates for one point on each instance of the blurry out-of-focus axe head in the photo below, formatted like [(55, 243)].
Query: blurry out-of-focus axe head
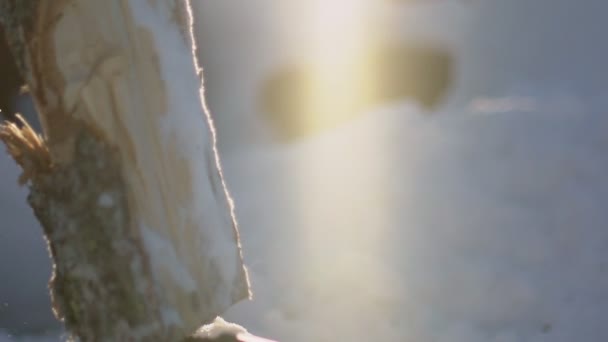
[(11, 81), (386, 73), (14, 96)]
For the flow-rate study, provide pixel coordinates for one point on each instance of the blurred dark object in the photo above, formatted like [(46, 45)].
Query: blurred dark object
[(221, 338), (14, 97), (10, 80), (299, 100)]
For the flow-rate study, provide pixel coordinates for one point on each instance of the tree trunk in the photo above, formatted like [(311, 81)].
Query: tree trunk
[(126, 180)]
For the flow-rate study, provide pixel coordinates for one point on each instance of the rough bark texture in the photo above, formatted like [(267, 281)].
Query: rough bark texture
[(101, 287), (134, 258)]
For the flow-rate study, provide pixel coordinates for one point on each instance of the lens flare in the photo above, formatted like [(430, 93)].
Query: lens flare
[(339, 41), (340, 184)]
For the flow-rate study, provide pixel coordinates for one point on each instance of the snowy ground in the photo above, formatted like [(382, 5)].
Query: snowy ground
[(481, 227), (483, 222)]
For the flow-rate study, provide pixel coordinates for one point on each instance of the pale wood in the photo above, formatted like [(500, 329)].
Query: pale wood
[(126, 182)]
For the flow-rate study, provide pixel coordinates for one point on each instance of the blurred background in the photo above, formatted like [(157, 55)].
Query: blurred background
[(300, 67), (273, 66), (402, 170)]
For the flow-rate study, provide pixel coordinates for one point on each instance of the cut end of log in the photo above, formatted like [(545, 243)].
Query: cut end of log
[(27, 147), (126, 181)]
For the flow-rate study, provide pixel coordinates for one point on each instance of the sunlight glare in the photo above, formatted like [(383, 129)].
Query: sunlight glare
[(341, 188), (340, 38)]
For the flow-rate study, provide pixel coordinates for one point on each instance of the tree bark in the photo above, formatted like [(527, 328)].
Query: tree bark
[(126, 181)]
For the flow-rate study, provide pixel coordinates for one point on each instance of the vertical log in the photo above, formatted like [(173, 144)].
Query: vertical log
[(126, 181)]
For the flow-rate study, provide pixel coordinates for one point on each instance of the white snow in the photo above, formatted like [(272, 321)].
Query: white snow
[(450, 228), (217, 327), (484, 222)]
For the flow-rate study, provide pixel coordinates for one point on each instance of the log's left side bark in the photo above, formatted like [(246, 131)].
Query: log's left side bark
[(126, 181)]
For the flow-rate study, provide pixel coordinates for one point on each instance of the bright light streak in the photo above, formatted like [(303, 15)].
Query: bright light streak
[(338, 45), (339, 28), (341, 188)]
